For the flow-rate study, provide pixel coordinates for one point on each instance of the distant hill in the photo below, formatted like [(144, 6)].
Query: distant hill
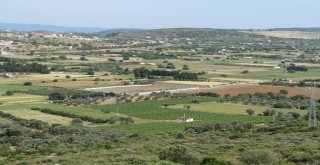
[(317, 30), (115, 31), (49, 28)]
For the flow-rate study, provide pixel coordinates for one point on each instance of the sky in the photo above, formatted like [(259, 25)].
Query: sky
[(232, 14)]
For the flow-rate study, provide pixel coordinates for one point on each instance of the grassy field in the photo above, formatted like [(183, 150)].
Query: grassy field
[(289, 34), (271, 74), (30, 114), (6, 87), (229, 108), (166, 117), (83, 111), (22, 98)]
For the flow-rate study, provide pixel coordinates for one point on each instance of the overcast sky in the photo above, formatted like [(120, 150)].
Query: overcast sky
[(164, 13)]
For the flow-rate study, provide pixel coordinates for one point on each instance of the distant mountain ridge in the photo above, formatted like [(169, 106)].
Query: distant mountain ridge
[(49, 28), (315, 29)]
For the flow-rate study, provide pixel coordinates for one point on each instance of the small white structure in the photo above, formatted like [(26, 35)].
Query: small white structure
[(184, 119), (8, 75)]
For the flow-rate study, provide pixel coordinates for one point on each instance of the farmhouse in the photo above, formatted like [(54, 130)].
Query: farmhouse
[(8, 75), (184, 119)]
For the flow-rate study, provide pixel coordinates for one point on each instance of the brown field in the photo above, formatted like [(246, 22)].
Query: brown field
[(145, 88), (237, 80), (195, 83), (238, 89), (289, 34)]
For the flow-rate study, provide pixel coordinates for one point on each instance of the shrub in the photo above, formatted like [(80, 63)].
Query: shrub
[(269, 112), (27, 84), (212, 161), (180, 135), (257, 157), (300, 157), (282, 105), (177, 154), (56, 96), (9, 93), (245, 72), (90, 72), (77, 122), (195, 101), (284, 91), (250, 112), (185, 67)]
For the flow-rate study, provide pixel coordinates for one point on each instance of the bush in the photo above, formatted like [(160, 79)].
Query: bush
[(269, 112), (282, 105), (245, 72), (27, 84), (67, 76), (77, 122), (212, 161), (56, 96), (257, 157), (90, 72), (9, 93), (179, 135), (300, 157), (195, 101), (284, 91), (177, 154), (185, 67), (250, 112)]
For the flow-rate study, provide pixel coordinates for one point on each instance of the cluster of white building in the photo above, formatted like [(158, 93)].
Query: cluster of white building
[(8, 45)]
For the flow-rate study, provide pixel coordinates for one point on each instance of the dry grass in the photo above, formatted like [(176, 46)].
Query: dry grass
[(289, 34), (194, 83), (237, 80), (30, 114), (144, 88), (22, 98)]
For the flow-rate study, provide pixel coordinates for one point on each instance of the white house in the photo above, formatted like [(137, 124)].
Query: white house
[(184, 120)]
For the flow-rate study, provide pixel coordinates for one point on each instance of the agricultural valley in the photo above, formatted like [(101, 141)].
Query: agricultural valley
[(174, 96)]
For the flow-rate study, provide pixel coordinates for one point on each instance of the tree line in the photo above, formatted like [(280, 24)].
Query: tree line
[(177, 75), (18, 67)]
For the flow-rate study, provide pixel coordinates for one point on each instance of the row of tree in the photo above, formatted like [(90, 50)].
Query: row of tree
[(177, 75), (18, 67)]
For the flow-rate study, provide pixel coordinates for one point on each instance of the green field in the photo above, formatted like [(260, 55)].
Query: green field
[(83, 111), (166, 117), (22, 98), (6, 87), (229, 108), (276, 74)]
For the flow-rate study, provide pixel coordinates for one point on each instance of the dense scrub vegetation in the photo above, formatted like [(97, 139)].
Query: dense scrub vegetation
[(177, 75), (18, 67)]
